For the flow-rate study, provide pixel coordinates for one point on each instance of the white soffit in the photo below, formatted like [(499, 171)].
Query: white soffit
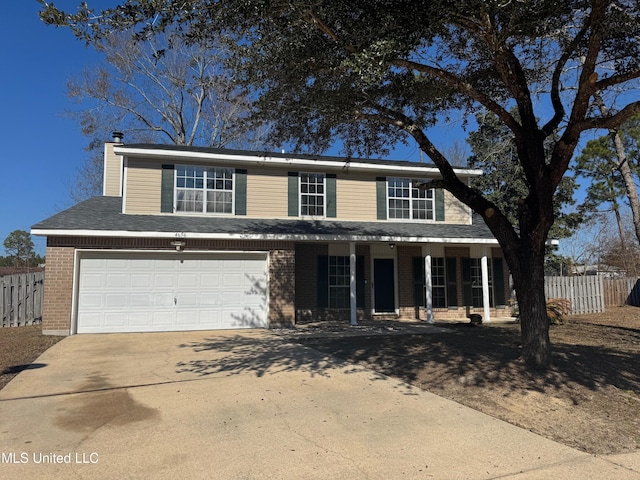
[(265, 160), (245, 236)]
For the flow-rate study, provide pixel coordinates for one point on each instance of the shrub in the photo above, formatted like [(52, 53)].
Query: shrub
[(557, 309)]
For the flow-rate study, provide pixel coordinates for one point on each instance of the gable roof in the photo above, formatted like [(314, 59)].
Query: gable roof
[(102, 216), (249, 157)]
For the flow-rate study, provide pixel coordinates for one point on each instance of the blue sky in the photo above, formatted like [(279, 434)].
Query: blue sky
[(41, 149)]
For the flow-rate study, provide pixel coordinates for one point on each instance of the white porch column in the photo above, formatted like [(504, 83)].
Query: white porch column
[(428, 285), (352, 283), (484, 265)]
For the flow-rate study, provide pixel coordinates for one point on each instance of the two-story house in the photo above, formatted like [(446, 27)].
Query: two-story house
[(195, 238)]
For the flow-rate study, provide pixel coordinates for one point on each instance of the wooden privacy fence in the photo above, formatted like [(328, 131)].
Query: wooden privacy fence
[(585, 293), (621, 291), (21, 299), (592, 293)]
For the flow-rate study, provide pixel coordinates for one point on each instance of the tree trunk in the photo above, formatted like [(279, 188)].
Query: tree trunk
[(624, 260), (524, 250), (534, 323), (621, 233), (624, 169), (629, 182)]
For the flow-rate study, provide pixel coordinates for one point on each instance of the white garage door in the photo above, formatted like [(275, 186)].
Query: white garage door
[(143, 292)]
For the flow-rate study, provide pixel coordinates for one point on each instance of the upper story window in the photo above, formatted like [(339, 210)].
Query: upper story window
[(312, 194), (408, 202), (204, 190)]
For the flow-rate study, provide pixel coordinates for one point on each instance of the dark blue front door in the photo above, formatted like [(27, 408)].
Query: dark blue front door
[(383, 285)]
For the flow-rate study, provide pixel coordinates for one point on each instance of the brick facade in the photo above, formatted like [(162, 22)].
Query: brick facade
[(306, 280), (282, 288), (293, 278), (406, 300), (58, 285), (307, 275), (58, 289)]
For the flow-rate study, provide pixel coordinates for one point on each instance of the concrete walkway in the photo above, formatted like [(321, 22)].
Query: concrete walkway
[(253, 405)]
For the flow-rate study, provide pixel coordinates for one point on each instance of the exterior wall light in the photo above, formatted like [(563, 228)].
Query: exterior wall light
[(179, 244)]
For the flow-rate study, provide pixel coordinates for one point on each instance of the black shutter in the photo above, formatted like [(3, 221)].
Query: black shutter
[(241, 192), (167, 186), (330, 195), (418, 282), (452, 282), (360, 282), (498, 282), (466, 282), (323, 281), (439, 198), (381, 198), (292, 200)]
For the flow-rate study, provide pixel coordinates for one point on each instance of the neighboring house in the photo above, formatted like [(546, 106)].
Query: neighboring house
[(600, 270), (195, 238)]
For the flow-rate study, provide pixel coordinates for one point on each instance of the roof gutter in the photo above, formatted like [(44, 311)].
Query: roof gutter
[(265, 160), (244, 236)]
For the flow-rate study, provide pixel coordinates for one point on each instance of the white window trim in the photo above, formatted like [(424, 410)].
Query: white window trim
[(204, 202), (411, 219), (324, 195)]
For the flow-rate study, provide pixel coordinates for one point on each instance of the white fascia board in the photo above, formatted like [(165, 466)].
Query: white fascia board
[(243, 236), (104, 172), (261, 160)]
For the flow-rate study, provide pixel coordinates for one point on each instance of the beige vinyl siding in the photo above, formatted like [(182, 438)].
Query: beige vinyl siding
[(112, 186), (455, 212), (356, 200), (143, 188), (267, 192), (356, 197)]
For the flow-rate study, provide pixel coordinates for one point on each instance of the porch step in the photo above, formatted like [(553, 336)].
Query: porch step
[(386, 316)]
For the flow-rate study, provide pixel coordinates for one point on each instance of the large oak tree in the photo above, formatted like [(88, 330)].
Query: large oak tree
[(373, 73), (494, 152)]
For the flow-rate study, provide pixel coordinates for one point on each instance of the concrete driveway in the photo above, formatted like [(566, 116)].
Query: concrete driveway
[(252, 405)]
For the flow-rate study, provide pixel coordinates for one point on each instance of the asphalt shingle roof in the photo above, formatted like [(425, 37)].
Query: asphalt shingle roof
[(104, 214), (254, 153)]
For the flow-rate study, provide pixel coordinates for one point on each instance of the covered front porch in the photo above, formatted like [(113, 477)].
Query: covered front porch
[(357, 281)]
